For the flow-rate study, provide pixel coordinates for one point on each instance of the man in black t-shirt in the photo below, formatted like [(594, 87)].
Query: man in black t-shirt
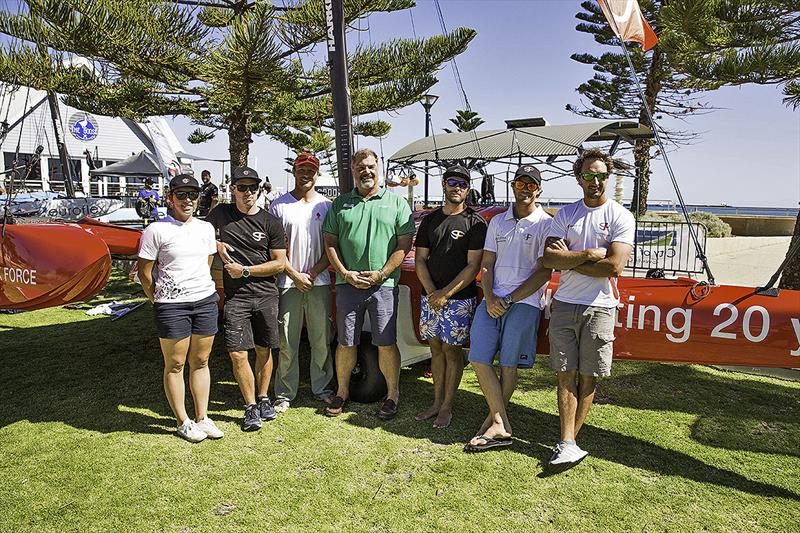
[(208, 195), (252, 245), (448, 255)]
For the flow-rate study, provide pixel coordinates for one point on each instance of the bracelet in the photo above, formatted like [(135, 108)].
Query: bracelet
[(311, 275), (383, 276)]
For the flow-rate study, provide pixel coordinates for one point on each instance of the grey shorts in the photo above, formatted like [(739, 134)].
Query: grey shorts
[(582, 338), (381, 304), (250, 321)]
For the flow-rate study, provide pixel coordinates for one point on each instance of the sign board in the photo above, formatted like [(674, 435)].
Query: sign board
[(83, 126)]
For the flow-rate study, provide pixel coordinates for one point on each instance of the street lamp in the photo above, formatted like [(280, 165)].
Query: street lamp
[(427, 102)]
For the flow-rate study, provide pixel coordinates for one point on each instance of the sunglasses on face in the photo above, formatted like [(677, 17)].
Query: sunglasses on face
[(251, 188), (457, 183), (183, 195), (531, 186), (590, 176)]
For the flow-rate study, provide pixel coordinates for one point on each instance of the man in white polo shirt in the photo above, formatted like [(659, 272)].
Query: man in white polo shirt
[(305, 285), (507, 320), (590, 242)]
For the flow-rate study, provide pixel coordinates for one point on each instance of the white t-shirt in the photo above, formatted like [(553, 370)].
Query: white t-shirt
[(302, 222), (181, 253), (518, 244), (584, 227)]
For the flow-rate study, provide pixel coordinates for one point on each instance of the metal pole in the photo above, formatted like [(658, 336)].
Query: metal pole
[(427, 133), (340, 92), (66, 169)]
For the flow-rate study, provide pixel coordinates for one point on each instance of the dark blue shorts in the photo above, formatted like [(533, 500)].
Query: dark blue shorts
[(184, 319)]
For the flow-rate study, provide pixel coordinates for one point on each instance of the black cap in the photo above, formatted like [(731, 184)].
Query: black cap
[(149, 181), (529, 171), (183, 180), (244, 172), (457, 170)]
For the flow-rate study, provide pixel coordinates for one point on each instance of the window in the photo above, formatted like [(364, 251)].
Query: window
[(57, 176), (33, 181)]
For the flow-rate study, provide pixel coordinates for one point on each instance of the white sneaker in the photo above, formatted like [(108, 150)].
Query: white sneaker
[(208, 427), (567, 453), (189, 431), (281, 406)]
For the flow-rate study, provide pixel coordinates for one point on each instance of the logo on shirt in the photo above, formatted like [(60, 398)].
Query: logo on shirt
[(318, 216), (456, 234), (604, 226), (258, 235), (528, 236)]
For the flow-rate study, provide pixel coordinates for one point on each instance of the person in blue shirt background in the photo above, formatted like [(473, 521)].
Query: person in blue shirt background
[(148, 197)]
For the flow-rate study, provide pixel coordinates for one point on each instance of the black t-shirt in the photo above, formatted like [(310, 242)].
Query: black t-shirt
[(449, 238), (207, 193), (252, 237)]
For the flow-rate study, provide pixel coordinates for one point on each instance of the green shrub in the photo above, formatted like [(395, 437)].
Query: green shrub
[(715, 227)]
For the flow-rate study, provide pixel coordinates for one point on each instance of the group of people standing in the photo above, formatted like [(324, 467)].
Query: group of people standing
[(276, 279)]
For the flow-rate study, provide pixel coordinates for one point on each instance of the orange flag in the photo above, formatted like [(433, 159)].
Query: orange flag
[(627, 21)]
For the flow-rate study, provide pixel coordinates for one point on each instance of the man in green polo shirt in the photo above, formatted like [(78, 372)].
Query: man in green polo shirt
[(368, 232)]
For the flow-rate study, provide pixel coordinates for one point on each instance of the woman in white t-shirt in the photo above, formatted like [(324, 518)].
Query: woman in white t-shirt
[(174, 267)]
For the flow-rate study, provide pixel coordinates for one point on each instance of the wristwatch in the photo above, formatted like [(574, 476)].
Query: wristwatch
[(245, 272), (508, 299)]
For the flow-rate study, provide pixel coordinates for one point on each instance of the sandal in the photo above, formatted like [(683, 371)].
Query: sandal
[(336, 406), (388, 410), (487, 444)]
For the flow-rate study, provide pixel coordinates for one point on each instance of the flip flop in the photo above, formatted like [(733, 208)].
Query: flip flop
[(335, 407), (488, 444)]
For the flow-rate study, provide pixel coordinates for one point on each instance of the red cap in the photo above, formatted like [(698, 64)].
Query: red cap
[(307, 158)]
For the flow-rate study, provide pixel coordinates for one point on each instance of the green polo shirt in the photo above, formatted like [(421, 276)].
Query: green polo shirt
[(368, 230)]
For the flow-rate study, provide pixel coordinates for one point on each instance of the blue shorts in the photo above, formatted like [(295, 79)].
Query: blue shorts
[(451, 324), (184, 319), (513, 335), (381, 304)]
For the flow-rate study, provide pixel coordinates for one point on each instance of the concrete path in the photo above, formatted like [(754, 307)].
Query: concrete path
[(746, 261)]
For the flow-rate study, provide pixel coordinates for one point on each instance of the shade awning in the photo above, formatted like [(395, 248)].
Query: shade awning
[(141, 164), (539, 142)]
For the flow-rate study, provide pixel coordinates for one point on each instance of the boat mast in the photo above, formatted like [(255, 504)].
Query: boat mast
[(340, 92), (66, 170)]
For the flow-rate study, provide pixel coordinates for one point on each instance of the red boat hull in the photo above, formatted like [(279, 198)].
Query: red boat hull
[(122, 242), (47, 265)]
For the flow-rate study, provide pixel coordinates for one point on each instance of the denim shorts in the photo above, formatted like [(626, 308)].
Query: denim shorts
[(251, 321), (513, 335), (183, 319), (450, 325), (351, 305)]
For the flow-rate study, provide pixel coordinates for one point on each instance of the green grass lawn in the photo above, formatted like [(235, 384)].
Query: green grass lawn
[(86, 443)]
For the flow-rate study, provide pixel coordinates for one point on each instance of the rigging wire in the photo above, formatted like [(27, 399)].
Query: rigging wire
[(699, 249)]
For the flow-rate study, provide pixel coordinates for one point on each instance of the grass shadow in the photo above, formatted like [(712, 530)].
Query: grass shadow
[(470, 409)]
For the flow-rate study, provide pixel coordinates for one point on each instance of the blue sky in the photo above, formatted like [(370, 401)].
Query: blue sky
[(519, 66)]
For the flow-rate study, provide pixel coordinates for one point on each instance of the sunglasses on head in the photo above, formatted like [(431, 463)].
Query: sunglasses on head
[(183, 195), (461, 184), (530, 185), (590, 176), (252, 188)]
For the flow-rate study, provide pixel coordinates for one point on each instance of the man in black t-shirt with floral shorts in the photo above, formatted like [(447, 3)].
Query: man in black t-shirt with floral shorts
[(448, 255), (252, 245)]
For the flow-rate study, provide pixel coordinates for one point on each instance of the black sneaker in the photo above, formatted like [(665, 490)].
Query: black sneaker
[(265, 408), (252, 418)]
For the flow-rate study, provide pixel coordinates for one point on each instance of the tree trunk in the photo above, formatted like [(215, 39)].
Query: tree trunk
[(641, 187), (790, 279), (641, 150), (239, 139)]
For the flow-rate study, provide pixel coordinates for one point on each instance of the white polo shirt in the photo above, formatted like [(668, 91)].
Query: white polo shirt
[(584, 227), (519, 244), (302, 222)]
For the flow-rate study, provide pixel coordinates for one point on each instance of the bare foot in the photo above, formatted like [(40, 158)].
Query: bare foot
[(430, 412), (486, 423), (494, 431), (443, 419)]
